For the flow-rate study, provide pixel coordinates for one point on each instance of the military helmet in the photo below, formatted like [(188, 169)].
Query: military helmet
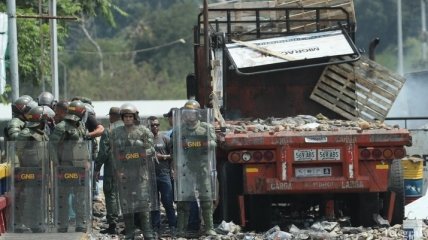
[(46, 99), (75, 111), (22, 105), (83, 99), (128, 108), (38, 114), (192, 104), (27, 96), (190, 112)]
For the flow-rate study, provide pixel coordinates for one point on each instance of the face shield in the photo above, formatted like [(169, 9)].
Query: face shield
[(190, 116)]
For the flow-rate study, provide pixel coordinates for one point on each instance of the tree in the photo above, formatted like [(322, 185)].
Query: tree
[(34, 38)]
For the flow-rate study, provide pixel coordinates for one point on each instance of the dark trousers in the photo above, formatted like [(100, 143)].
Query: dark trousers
[(111, 200), (164, 185)]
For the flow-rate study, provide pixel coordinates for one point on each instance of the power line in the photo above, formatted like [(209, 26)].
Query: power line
[(181, 40)]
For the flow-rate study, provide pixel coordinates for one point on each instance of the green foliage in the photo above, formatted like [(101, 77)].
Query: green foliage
[(123, 80), (105, 8), (34, 35), (5, 96), (141, 55), (144, 60), (379, 19)]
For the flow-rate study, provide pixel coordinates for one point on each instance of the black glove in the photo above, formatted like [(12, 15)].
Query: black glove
[(87, 137)]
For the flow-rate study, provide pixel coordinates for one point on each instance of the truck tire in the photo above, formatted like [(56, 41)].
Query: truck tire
[(396, 184), (230, 179)]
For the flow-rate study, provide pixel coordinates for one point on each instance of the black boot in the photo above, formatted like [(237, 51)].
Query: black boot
[(110, 230), (146, 226)]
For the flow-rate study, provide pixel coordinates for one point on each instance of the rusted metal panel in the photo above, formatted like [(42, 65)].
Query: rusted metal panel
[(262, 181), (254, 97), (202, 76), (344, 173)]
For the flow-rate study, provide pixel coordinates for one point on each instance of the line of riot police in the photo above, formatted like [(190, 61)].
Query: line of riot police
[(51, 160)]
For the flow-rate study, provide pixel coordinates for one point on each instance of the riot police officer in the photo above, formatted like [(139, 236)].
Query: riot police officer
[(31, 175), (46, 99), (109, 182), (72, 168), (194, 149), (20, 107), (133, 151), (95, 129), (60, 110)]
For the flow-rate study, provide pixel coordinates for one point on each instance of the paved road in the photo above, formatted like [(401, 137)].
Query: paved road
[(45, 236)]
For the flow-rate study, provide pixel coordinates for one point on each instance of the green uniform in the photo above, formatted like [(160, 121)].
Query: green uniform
[(109, 185), (72, 172), (14, 126), (196, 141), (133, 150), (31, 146)]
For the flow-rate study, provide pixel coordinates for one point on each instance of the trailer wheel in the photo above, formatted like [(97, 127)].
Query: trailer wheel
[(230, 179), (396, 184)]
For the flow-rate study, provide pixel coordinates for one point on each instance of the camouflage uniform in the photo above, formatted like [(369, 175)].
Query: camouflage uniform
[(66, 140), (109, 184), (14, 126), (198, 166), (32, 154), (134, 185), (20, 107)]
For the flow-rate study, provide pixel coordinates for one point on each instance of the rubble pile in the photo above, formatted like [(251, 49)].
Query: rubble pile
[(302, 123), (320, 230)]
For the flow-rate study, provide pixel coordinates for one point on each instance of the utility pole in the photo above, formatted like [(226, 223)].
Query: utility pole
[(424, 30), (400, 39), (13, 49), (54, 49)]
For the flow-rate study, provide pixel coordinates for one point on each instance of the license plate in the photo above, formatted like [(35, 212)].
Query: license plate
[(329, 154), (313, 172), (305, 154)]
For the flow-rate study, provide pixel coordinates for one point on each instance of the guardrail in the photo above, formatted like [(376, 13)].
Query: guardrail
[(406, 119)]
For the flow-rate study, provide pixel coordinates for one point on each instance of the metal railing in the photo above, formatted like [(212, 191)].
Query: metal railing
[(406, 119)]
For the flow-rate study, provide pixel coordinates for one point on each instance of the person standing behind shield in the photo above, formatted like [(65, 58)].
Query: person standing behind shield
[(194, 149), (71, 161), (33, 161), (133, 154), (163, 177), (109, 182)]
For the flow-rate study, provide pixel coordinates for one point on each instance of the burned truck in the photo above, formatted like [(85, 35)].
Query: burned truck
[(299, 115)]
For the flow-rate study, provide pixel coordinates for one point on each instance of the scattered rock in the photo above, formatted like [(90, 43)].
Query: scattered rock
[(302, 123)]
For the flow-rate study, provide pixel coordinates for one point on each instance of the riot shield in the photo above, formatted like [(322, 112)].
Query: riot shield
[(134, 172), (73, 184), (194, 155), (28, 186)]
